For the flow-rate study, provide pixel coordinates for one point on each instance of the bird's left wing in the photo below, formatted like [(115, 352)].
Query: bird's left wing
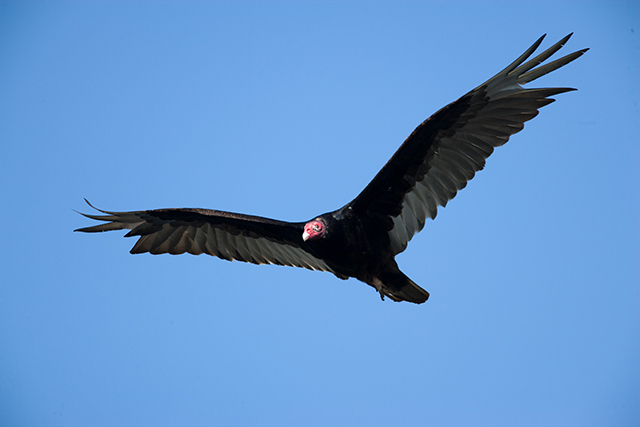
[(446, 150), (222, 234)]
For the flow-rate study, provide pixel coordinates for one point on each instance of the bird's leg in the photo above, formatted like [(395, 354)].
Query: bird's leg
[(393, 297), (384, 292)]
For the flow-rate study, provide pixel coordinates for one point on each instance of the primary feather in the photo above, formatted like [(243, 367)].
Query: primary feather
[(361, 239)]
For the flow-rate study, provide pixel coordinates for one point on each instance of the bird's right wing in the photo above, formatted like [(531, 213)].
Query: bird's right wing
[(446, 150), (222, 234)]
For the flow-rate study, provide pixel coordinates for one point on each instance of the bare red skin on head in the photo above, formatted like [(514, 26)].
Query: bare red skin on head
[(313, 230)]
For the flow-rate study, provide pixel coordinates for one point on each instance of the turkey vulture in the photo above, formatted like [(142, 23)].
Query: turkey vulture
[(362, 238)]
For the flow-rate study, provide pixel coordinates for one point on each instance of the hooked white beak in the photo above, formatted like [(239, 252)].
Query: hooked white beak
[(305, 236)]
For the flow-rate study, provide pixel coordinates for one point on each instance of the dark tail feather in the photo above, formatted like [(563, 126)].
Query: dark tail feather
[(399, 287)]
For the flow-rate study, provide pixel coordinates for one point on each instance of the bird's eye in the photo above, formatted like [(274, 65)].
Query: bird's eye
[(316, 227)]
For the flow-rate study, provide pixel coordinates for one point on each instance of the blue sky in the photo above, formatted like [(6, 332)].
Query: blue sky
[(287, 110)]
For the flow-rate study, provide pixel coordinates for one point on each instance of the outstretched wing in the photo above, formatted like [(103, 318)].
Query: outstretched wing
[(446, 150), (225, 235)]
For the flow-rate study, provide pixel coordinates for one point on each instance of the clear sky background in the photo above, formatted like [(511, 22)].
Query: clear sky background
[(287, 110)]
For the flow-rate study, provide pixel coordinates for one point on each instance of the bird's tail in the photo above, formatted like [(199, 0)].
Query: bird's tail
[(398, 287)]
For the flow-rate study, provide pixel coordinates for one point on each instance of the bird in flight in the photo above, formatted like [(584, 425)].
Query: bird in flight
[(362, 238)]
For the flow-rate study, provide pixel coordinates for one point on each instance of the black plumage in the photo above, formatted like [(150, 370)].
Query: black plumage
[(362, 238)]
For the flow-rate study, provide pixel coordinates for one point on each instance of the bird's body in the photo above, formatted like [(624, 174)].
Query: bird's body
[(362, 238)]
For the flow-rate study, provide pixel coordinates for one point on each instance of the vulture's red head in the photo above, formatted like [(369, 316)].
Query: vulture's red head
[(313, 230)]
